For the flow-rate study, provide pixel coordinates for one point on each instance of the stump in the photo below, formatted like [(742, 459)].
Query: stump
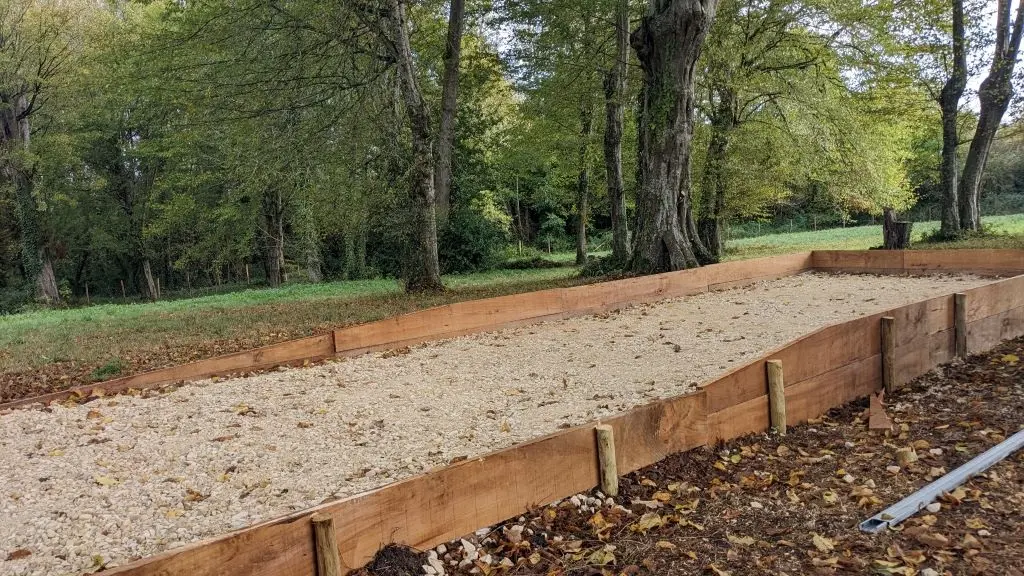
[(896, 233)]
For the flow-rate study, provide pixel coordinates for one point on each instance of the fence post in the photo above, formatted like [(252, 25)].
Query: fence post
[(889, 354), (960, 323), (606, 460), (777, 396), (328, 561)]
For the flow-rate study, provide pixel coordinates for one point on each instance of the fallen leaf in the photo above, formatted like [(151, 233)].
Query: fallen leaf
[(19, 554), (718, 571), (106, 480), (602, 556), (665, 545), (741, 540), (823, 544), (647, 522)]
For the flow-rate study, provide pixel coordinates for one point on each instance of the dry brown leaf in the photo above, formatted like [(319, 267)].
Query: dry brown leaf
[(823, 544)]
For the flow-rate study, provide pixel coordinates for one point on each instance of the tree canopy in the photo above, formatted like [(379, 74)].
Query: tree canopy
[(166, 146)]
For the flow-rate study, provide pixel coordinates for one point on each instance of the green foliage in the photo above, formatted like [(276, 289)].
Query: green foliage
[(475, 235)]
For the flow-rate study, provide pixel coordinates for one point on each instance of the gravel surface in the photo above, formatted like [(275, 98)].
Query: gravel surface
[(112, 480)]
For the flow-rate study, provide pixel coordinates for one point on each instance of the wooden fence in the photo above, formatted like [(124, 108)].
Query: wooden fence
[(824, 369)]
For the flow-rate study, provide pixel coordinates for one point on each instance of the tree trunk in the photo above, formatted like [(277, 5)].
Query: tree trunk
[(896, 235), (614, 93), (668, 44), (423, 272), (449, 100), (273, 222), (16, 133), (48, 280), (147, 280), (712, 207), (949, 102), (994, 96), (583, 182)]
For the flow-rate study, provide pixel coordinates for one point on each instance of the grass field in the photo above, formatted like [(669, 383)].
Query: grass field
[(47, 349)]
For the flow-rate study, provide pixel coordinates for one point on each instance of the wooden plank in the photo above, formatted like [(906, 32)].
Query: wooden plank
[(922, 318), (984, 334), (743, 272), (995, 298), (737, 386), (815, 396), (891, 261), (965, 260), (923, 353), (648, 434), (738, 420)]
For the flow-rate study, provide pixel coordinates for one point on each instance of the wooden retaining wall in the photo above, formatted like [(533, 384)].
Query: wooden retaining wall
[(824, 369)]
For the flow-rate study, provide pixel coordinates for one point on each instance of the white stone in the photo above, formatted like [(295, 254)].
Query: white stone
[(756, 504), (929, 572), (441, 549), (984, 532), (892, 469), (428, 569), (934, 507), (935, 451), (848, 479), (468, 547)]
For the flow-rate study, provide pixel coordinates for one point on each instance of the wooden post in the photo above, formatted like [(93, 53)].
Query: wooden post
[(328, 561), (88, 302), (247, 273), (889, 354), (960, 323), (123, 294), (158, 288), (606, 460), (777, 396)]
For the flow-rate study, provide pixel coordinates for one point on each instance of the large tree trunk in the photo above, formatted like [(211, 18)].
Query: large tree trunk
[(949, 102), (583, 181), (994, 96), (614, 92), (449, 99), (16, 134), (712, 207), (667, 43), (273, 233), (424, 271)]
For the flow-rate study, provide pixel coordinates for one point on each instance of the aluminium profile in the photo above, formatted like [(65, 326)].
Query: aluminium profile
[(910, 505)]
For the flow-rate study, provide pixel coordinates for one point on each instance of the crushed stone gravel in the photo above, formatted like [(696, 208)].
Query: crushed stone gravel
[(99, 484)]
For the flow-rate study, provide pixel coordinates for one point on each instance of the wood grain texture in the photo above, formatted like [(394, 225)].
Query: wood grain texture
[(776, 396), (960, 324)]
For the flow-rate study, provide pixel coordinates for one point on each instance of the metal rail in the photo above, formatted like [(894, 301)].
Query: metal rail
[(910, 505)]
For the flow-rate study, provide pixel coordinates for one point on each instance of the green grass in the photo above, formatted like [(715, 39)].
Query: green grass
[(1003, 228), (168, 332), (108, 340)]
